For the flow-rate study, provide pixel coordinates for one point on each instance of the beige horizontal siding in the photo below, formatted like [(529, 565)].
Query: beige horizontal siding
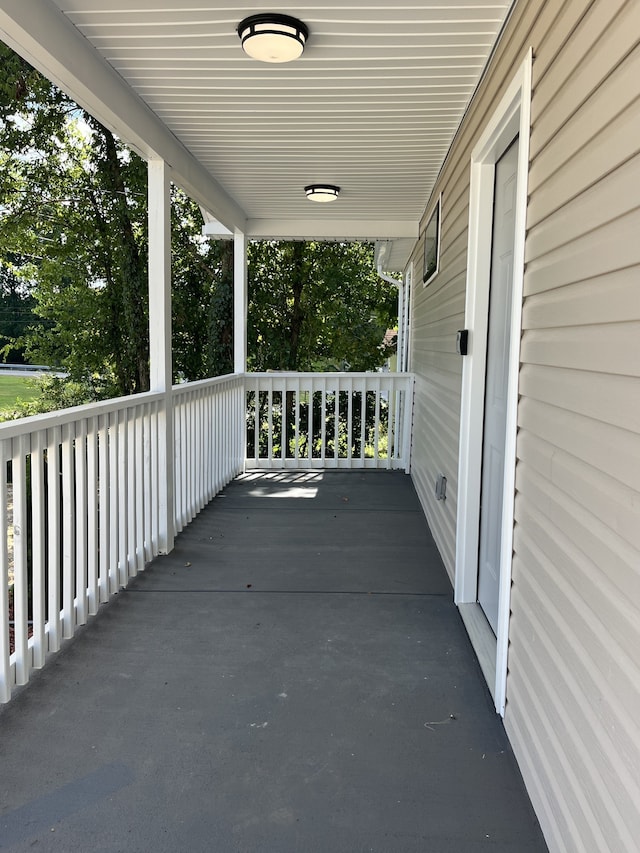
[(438, 312), (589, 211), (611, 629), (573, 688), (574, 677), (610, 449), (585, 69), (615, 246), (598, 396), (615, 505), (558, 513), (591, 741), (575, 785), (598, 348), (585, 303), (598, 157)]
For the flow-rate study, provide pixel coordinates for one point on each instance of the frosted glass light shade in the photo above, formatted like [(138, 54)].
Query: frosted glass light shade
[(273, 38)]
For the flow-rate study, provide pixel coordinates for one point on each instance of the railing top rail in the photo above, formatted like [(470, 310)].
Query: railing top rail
[(295, 374), (212, 382), (47, 420), (60, 417)]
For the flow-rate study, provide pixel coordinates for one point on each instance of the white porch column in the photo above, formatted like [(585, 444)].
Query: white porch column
[(160, 341), (239, 302)]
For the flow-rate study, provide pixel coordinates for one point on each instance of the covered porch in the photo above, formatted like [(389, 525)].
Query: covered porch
[(101, 491), (227, 669), (293, 676)]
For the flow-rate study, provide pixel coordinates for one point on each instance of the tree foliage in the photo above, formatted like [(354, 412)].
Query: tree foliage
[(74, 215), (202, 296), (317, 306), (16, 313)]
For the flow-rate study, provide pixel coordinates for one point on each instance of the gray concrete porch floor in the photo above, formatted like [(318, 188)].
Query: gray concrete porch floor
[(293, 677)]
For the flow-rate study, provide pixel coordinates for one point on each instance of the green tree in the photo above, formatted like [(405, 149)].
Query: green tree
[(74, 214), (16, 314), (320, 307), (317, 306), (202, 295)]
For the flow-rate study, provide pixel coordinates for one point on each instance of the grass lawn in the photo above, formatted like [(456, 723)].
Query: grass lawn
[(14, 387)]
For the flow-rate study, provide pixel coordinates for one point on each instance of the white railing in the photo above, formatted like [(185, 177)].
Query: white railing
[(90, 488), (208, 419), (84, 518), (328, 420), (87, 486)]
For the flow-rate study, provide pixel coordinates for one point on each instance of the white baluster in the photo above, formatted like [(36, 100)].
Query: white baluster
[(38, 548)]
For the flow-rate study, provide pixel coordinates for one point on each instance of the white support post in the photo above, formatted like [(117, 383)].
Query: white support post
[(239, 303), (160, 340)]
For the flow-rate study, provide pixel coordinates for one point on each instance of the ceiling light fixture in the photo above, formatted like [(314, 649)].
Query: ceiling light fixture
[(272, 37), (322, 192)]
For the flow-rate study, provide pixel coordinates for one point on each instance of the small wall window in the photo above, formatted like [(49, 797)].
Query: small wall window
[(432, 245)]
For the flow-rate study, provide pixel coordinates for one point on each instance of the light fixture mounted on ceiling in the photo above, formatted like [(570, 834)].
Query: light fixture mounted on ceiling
[(322, 192), (272, 37)]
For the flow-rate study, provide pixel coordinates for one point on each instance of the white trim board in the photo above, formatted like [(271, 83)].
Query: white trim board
[(482, 640), (410, 277), (511, 118)]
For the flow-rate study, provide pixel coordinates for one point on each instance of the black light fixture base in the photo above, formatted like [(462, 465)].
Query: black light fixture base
[(272, 37)]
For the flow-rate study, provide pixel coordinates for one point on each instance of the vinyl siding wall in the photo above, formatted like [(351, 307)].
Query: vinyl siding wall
[(573, 689)]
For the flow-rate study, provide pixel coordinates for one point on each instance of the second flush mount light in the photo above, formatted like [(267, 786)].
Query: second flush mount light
[(322, 192), (272, 37)]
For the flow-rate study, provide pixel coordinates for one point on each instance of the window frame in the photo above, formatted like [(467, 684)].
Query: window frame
[(429, 272)]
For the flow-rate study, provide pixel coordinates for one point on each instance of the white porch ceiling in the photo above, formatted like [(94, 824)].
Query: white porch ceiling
[(372, 105)]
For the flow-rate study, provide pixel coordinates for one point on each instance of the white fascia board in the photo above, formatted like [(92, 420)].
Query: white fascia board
[(39, 31), (331, 229), (381, 252), (217, 230), (394, 255)]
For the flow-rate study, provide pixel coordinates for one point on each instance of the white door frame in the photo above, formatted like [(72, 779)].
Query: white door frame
[(511, 118)]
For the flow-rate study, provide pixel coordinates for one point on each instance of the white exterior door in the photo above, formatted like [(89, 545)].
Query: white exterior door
[(497, 371)]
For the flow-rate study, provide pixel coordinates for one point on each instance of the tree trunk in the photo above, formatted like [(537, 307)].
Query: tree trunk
[(297, 311), (129, 310)]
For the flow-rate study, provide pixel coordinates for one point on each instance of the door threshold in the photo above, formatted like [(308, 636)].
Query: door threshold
[(483, 641)]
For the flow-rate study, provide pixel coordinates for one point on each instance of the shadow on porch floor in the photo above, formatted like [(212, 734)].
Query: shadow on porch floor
[(294, 677)]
